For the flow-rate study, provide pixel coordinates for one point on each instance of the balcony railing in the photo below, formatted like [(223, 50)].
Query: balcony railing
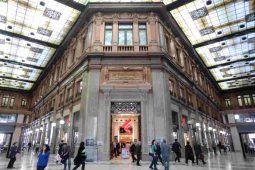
[(107, 48), (143, 48), (125, 48)]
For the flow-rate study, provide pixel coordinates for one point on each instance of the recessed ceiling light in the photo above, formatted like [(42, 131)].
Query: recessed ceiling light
[(242, 26), (9, 27), (42, 3), (209, 2), (219, 32), (244, 38)]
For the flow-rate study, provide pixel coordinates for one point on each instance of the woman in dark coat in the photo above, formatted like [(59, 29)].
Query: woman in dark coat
[(80, 157), (189, 153), (43, 158)]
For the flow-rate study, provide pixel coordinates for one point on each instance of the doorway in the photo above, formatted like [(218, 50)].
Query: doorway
[(125, 128)]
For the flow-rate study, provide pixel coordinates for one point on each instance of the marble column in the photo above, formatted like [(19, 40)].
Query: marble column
[(161, 106)]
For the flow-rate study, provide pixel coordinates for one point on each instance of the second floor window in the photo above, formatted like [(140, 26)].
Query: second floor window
[(5, 100), (23, 102), (240, 102), (79, 87), (247, 100), (181, 93), (125, 34), (227, 102), (108, 34), (142, 34), (171, 86), (12, 102)]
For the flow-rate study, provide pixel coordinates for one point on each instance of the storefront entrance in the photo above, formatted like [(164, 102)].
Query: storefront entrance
[(125, 128)]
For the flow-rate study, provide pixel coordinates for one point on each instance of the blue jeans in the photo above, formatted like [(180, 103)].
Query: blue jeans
[(153, 162), (67, 162), (166, 163)]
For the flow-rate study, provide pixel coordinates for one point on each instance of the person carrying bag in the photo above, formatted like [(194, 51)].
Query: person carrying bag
[(80, 157)]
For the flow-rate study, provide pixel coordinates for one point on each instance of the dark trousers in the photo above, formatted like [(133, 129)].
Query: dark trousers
[(138, 159), (77, 166), (177, 156), (159, 158), (133, 157), (11, 162), (190, 158), (214, 150), (115, 152), (198, 156), (153, 162), (41, 167)]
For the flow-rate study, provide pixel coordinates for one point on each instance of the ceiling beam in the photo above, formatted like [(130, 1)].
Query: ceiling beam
[(21, 64), (15, 35), (72, 4), (236, 78), (232, 62), (177, 4), (226, 37), (16, 79)]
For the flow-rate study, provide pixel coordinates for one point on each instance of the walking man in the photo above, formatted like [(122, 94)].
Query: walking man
[(189, 153), (176, 147), (199, 153), (66, 156), (12, 155), (132, 150), (138, 148), (165, 151)]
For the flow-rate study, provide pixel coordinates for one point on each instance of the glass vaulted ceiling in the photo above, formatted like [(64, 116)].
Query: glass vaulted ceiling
[(46, 21), (209, 26)]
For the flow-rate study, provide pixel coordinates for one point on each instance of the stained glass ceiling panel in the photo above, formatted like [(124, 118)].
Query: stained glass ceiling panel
[(245, 82), (234, 70), (18, 72), (20, 50), (87, 1), (229, 50), (15, 84), (204, 20), (48, 21), (45, 20)]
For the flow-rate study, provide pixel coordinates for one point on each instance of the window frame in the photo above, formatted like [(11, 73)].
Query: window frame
[(126, 30)]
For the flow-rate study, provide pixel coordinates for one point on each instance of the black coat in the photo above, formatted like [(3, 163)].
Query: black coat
[(176, 147), (188, 151), (138, 149), (132, 148), (197, 149), (158, 151)]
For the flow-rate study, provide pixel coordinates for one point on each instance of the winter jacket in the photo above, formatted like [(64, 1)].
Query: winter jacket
[(165, 151), (43, 158)]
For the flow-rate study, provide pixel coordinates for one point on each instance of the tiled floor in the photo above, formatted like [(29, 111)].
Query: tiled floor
[(230, 161)]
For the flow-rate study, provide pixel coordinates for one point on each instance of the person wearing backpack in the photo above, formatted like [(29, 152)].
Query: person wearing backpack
[(80, 157)]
